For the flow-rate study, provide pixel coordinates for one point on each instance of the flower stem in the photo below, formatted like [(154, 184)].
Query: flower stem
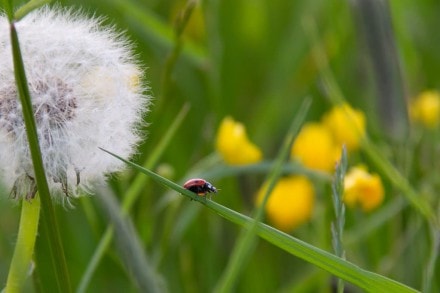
[(48, 212), (28, 7), (338, 204), (24, 248)]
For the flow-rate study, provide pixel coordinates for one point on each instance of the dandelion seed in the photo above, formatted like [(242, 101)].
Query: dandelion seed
[(85, 91)]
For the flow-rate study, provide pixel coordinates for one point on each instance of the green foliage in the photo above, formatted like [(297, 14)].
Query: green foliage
[(256, 61)]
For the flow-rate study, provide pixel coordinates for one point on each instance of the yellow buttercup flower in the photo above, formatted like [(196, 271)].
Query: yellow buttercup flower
[(291, 202), (233, 144), (426, 109), (315, 148), (346, 124), (363, 189)]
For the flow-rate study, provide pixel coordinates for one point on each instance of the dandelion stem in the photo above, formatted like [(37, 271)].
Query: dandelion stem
[(24, 248)]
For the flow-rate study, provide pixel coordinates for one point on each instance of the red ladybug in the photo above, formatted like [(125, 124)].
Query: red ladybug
[(199, 186)]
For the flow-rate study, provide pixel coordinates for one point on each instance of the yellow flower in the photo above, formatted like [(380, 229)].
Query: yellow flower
[(315, 148), (233, 144), (290, 203), (346, 124), (426, 109), (362, 188)]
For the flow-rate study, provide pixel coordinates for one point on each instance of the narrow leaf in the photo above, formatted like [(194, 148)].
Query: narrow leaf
[(348, 271), (48, 213)]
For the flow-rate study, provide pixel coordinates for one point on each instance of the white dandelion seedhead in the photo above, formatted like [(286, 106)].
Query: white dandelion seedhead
[(86, 93)]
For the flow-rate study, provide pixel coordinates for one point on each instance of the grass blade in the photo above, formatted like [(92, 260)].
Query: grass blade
[(129, 245), (48, 213), (343, 269), (336, 96), (337, 227), (247, 241), (28, 7), (148, 26), (130, 198)]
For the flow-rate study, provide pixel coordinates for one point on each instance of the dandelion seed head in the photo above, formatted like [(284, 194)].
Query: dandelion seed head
[(86, 93)]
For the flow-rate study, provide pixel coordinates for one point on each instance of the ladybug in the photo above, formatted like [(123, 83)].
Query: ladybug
[(199, 186)]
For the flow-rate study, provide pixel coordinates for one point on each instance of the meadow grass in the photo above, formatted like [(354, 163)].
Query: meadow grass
[(260, 62)]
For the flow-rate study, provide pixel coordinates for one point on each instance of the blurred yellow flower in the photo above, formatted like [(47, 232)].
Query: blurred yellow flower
[(426, 109), (290, 203), (362, 188), (346, 124), (233, 144), (315, 148)]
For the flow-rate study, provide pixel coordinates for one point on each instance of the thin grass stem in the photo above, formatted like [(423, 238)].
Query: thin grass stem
[(247, 239), (48, 213), (24, 247)]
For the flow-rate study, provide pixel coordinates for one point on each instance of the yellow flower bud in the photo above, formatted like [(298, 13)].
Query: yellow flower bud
[(362, 188), (233, 144), (291, 202)]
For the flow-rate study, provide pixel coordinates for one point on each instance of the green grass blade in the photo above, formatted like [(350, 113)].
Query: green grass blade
[(28, 7), (148, 25), (419, 203), (48, 213), (246, 242), (376, 28), (429, 271), (129, 245), (365, 227), (8, 8), (173, 56), (223, 170), (348, 271), (336, 96), (139, 181), (338, 224), (130, 198)]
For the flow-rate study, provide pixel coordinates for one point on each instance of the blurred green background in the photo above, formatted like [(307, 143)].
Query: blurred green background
[(251, 59)]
